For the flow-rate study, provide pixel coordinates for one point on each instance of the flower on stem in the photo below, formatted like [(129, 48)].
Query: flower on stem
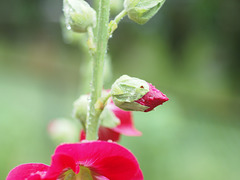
[(133, 94), (125, 125), (95, 160)]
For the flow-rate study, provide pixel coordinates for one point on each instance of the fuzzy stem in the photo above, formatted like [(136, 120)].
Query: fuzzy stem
[(101, 39), (114, 23)]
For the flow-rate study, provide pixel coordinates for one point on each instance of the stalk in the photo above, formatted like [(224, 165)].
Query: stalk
[(101, 39)]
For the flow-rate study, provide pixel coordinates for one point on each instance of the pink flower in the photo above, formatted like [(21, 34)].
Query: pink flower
[(97, 160), (153, 98), (126, 126)]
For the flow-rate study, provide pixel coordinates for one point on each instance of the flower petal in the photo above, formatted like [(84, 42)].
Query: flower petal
[(153, 98), (104, 158), (31, 171), (104, 134), (126, 126), (59, 164)]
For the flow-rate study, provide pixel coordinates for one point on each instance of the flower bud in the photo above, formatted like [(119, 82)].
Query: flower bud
[(116, 6), (107, 117), (141, 11), (79, 15), (63, 130), (133, 94), (80, 108)]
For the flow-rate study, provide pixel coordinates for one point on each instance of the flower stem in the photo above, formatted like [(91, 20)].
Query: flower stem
[(114, 23), (101, 39)]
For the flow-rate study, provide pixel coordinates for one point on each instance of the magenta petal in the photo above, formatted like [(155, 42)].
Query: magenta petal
[(82, 135), (59, 164), (153, 98), (31, 171), (138, 176), (126, 125), (104, 134), (104, 158)]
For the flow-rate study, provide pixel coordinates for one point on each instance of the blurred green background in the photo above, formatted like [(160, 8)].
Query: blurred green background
[(189, 50)]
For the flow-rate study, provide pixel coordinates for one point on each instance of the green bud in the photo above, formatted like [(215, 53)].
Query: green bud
[(126, 90), (80, 109), (116, 6), (79, 15), (63, 130), (141, 11), (108, 119), (70, 37)]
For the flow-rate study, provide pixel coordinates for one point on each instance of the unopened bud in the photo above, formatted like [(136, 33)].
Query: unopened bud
[(107, 117), (141, 11), (63, 130), (79, 15), (133, 94), (116, 6), (80, 108)]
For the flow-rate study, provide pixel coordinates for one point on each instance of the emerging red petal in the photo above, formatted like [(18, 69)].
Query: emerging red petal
[(61, 163), (153, 98), (108, 160), (104, 134), (31, 171)]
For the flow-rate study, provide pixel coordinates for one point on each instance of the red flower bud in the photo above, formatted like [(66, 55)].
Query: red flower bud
[(153, 98)]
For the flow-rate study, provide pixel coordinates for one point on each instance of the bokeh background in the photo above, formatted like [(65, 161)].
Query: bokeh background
[(189, 50)]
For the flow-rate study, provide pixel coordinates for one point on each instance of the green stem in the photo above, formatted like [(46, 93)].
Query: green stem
[(90, 42), (114, 23), (119, 17), (101, 39)]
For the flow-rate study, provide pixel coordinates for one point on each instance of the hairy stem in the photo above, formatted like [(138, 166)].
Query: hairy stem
[(101, 39), (114, 23)]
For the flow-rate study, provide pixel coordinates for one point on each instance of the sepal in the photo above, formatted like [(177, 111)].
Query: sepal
[(141, 11)]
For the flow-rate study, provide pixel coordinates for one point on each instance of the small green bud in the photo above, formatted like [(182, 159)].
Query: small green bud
[(63, 130), (80, 109), (79, 15), (109, 119), (127, 90), (70, 37), (141, 11), (116, 6)]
